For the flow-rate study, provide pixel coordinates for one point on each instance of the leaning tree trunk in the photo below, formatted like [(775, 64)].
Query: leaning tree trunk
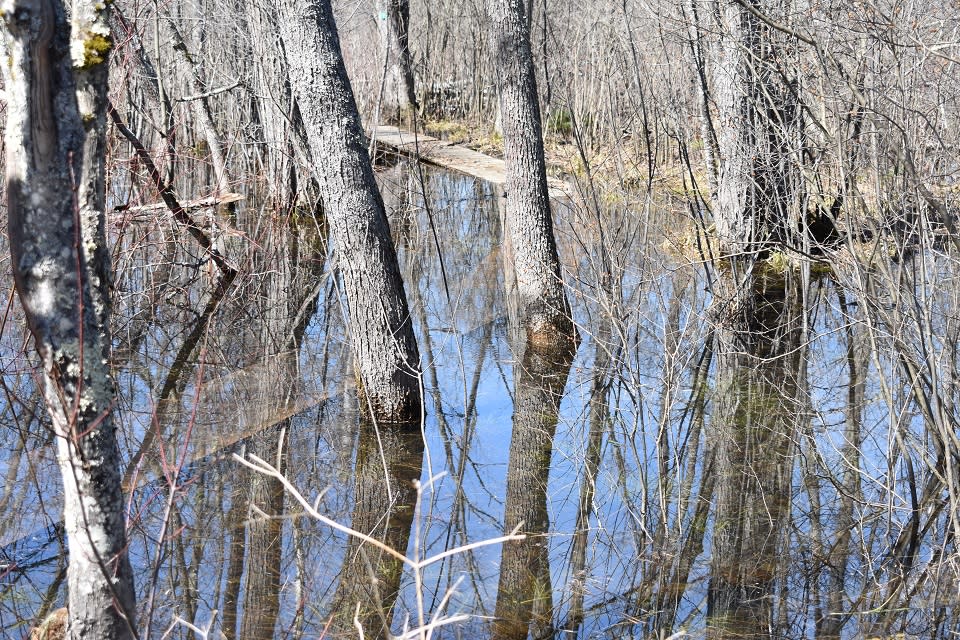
[(385, 348), (399, 95), (56, 97), (528, 229)]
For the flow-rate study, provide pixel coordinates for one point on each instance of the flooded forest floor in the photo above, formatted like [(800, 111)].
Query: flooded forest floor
[(678, 474)]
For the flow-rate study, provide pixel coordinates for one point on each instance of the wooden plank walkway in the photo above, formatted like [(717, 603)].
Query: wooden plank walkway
[(450, 156)]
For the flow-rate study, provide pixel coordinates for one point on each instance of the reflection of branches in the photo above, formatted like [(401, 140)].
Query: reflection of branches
[(416, 564), (599, 422), (176, 379), (911, 337)]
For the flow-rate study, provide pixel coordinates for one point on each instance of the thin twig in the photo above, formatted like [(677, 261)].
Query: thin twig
[(261, 466), (210, 93)]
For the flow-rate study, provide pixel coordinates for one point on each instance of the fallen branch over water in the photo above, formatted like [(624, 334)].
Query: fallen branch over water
[(167, 195), (189, 206)]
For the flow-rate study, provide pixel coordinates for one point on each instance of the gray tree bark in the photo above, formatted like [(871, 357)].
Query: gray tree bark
[(528, 227), (385, 348), (758, 128), (399, 94), (285, 148), (696, 36), (202, 107), (56, 104)]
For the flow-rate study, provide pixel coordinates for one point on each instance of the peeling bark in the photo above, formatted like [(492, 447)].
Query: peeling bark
[(56, 90)]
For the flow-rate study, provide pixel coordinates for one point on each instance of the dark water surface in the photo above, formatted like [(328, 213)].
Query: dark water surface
[(677, 475)]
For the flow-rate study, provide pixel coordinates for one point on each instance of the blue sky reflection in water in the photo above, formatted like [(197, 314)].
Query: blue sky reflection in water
[(232, 384)]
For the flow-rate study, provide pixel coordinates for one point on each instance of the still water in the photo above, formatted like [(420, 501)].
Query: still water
[(677, 474)]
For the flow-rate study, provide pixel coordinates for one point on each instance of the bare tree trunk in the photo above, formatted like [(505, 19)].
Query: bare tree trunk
[(203, 110), (524, 594), (757, 209), (285, 146), (696, 35), (399, 94), (528, 229), (385, 348), (56, 106), (758, 129)]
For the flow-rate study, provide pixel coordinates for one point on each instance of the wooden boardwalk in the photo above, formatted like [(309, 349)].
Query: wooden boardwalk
[(451, 156)]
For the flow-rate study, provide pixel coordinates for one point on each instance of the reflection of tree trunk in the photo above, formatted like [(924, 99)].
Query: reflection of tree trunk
[(833, 609), (757, 207), (756, 416), (282, 312), (177, 378), (261, 602), (237, 532), (389, 460), (525, 587)]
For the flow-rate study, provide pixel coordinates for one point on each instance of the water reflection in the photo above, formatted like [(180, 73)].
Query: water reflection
[(760, 471), (759, 409), (389, 461), (525, 591)]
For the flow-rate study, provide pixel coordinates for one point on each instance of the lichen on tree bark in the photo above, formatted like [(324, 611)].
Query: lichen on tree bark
[(60, 263)]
